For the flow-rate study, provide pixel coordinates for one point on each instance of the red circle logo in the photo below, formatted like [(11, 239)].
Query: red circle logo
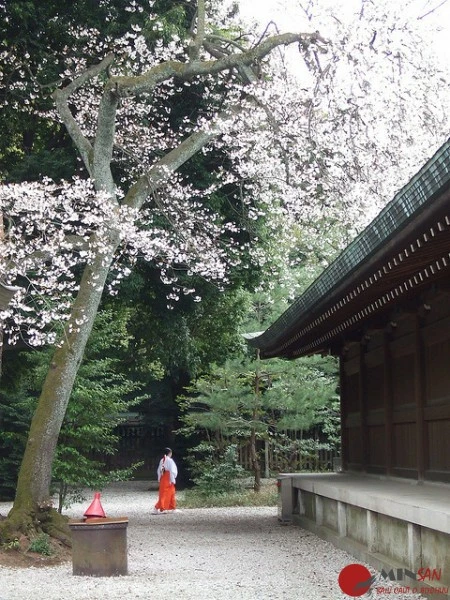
[(355, 580)]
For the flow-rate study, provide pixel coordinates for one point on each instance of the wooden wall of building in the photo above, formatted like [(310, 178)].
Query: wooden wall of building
[(395, 389)]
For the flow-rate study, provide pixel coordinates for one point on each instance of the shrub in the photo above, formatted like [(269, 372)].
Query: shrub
[(216, 474), (41, 545), (12, 545)]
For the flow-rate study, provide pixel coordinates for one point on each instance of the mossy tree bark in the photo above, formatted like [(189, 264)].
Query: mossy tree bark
[(32, 509)]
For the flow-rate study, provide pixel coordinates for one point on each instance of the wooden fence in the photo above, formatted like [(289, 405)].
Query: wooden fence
[(315, 458)]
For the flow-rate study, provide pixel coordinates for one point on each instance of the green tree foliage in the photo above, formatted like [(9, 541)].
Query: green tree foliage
[(186, 336), (215, 473), (301, 391), (306, 415), (293, 406), (248, 402), (16, 408), (101, 398), (171, 346)]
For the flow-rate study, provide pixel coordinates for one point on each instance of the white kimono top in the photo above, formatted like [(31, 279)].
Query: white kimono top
[(169, 465)]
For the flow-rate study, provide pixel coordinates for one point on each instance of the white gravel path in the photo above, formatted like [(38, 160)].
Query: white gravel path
[(201, 554)]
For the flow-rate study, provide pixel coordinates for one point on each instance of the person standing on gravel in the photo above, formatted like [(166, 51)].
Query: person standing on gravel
[(167, 474)]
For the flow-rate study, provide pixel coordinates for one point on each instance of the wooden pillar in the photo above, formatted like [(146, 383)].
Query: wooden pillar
[(419, 398), (343, 412), (388, 402), (363, 410)]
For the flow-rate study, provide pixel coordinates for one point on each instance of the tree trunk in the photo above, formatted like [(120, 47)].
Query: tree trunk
[(32, 507), (300, 451), (266, 459), (253, 452), (255, 461)]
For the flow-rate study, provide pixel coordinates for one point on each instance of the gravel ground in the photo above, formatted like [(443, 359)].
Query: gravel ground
[(201, 554)]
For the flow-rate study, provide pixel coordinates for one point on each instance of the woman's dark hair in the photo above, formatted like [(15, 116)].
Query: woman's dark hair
[(167, 450)]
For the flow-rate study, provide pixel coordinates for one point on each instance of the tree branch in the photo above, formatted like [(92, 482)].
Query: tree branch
[(158, 175), (61, 97), (432, 10), (194, 48), (148, 81), (104, 142), (246, 73)]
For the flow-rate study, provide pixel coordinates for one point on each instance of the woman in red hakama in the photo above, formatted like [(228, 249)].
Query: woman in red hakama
[(167, 474)]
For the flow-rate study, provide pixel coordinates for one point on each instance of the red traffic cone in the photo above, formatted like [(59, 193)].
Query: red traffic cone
[(95, 510)]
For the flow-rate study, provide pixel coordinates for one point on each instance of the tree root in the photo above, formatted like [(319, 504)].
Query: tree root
[(17, 523), (56, 527), (23, 522)]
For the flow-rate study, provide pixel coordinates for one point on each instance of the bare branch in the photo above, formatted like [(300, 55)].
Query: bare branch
[(219, 38), (432, 10)]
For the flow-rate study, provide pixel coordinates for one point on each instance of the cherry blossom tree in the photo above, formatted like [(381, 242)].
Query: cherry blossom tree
[(360, 121), (105, 107), (298, 147)]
